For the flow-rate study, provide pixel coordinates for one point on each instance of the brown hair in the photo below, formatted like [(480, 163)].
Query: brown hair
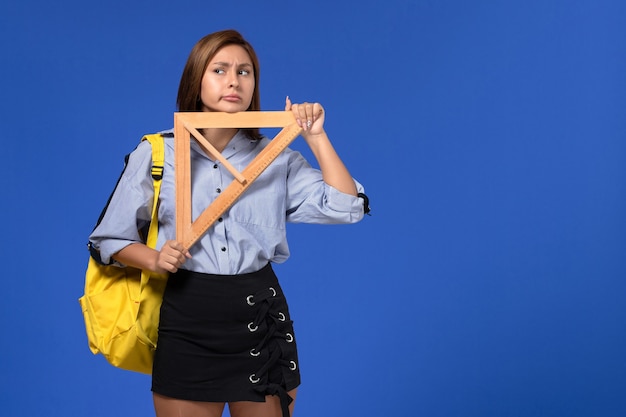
[(203, 51)]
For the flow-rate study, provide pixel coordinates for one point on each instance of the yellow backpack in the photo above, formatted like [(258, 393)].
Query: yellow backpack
[(121, 306)]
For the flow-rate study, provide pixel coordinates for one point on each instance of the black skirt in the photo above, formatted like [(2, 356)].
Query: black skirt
[(225, 338)]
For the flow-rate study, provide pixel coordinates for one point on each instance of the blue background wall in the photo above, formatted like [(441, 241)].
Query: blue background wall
[(490, 135)]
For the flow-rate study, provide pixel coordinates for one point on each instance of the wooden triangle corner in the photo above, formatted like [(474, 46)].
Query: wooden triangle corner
[(188, 125)]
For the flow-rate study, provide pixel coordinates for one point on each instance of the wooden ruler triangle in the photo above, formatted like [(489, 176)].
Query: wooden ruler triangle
[(186, 125)]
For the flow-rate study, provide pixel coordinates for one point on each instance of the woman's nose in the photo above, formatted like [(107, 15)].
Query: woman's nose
[(233, 81)]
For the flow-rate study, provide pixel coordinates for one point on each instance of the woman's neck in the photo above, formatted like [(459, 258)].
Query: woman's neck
[(219, 138)]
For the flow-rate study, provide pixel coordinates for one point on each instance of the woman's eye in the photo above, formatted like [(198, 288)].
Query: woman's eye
[(218, 71), (244, 72)]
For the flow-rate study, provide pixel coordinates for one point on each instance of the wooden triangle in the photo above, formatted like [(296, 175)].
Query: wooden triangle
[(186, 125)]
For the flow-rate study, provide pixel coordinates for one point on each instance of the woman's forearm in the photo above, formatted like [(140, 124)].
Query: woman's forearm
[(333, 169), (138, 255)]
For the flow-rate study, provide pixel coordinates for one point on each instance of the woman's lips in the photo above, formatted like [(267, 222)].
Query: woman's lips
[(232, 98)]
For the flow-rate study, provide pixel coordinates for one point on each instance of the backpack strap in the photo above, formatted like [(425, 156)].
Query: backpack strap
[(158, 157), (158, 160)]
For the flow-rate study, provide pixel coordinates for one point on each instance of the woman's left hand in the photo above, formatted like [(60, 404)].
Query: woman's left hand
[(309, 116)]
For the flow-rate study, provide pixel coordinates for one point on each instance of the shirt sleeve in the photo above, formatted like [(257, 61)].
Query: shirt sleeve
[(311, 200), (128, 213)]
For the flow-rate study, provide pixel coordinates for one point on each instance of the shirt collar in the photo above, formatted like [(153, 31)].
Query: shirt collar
[(238, 143)]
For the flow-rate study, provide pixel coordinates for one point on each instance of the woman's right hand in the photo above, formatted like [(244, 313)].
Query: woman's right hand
[(171, 256)]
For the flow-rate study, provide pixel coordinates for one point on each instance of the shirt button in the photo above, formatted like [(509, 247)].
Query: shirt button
[(223, 249), (215, 166), (219, 190), (220, 219)]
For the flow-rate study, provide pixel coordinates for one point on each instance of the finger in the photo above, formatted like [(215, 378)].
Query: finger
[(304, 112), (174, 262), (301, 110), (310, 114), (178, 247), (318, 110), (287, 104), (295, 109), (173, 244), (181, 257), (168, 266), (175, 254)]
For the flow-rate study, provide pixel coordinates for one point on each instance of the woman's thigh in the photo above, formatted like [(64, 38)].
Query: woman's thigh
[(270, 408), (173, 407)]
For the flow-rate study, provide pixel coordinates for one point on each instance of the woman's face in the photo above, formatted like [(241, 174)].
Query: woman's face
[(228, 82)]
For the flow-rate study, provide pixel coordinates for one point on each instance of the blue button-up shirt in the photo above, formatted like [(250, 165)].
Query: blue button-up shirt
[(251, 233)]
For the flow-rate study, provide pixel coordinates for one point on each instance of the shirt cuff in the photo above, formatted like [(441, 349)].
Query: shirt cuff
[(110, 247), (342, 202)]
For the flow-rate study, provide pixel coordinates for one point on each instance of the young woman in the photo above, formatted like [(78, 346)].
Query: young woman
[(225, 333)]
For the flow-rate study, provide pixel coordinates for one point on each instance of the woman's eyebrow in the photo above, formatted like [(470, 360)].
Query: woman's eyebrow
[(227, 64)]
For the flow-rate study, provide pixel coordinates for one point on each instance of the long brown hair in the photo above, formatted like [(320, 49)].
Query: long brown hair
[(202, 53)]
